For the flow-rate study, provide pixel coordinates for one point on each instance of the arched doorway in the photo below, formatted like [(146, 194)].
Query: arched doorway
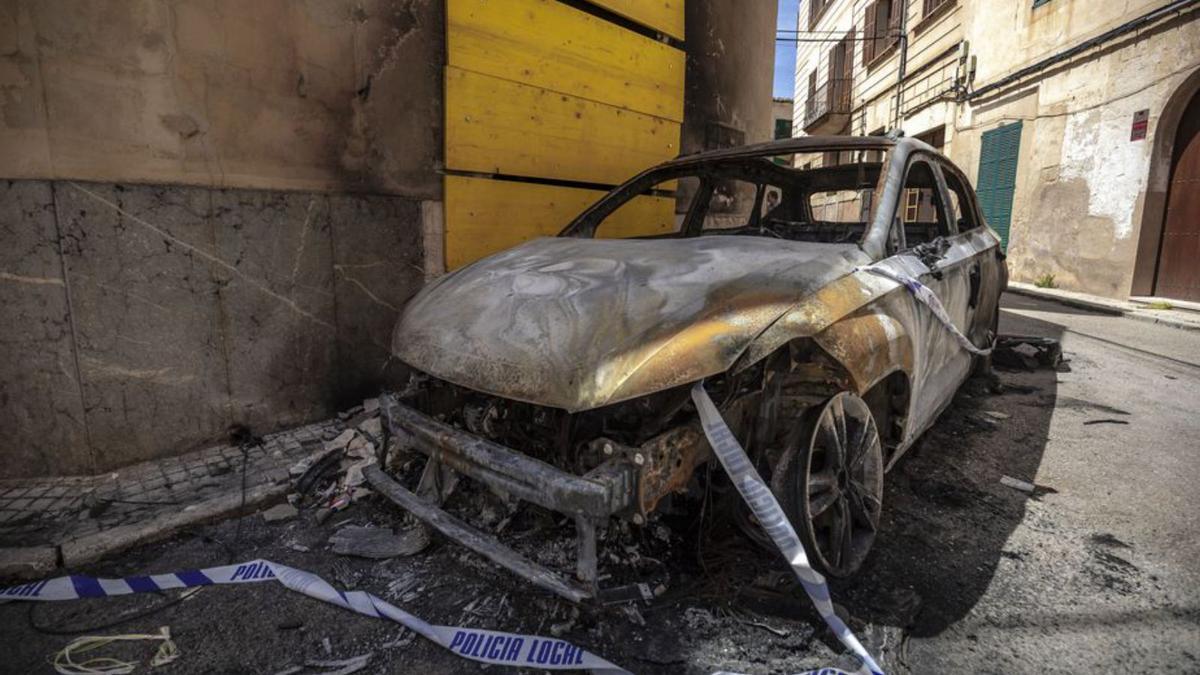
[(1168, 258), (1179, 253)]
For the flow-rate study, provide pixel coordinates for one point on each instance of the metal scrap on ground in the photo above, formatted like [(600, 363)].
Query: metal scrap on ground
[(1025, 352)]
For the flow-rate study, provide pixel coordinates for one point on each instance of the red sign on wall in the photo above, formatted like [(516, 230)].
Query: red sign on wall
[(1141, 122)]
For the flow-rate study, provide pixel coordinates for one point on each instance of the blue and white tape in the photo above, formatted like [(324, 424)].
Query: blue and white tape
[(486, 646), (930, 299), (771, 518)]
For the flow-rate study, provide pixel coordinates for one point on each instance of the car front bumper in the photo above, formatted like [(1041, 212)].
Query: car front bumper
[(610, 489)]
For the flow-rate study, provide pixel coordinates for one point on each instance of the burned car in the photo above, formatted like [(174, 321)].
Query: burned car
[(558, 372)]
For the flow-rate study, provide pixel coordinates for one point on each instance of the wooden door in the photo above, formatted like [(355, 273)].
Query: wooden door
[(1179, 257)]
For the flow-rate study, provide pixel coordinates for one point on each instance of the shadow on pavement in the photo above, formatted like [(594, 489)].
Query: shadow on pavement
[(946, 517)]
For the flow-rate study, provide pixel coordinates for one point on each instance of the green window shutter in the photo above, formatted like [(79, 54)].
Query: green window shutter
[(998, 177), (783, 128)]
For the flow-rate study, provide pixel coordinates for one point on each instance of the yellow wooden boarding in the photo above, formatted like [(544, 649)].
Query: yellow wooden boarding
[(664, 16), (548, 44), (497, 126), (485, 215), (539, 89)]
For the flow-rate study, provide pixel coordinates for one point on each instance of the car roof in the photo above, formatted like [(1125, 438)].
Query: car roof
[(801, 144)]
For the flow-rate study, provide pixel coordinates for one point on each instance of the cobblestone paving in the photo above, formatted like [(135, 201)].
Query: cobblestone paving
[(47, 511)]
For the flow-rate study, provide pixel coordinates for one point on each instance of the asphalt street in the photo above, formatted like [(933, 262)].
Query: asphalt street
[(1095, 570), (1103, 573)]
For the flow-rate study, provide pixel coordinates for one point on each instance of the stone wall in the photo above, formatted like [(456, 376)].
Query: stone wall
[(143, 320), (275, 94), (1081, 180), (211, 212)]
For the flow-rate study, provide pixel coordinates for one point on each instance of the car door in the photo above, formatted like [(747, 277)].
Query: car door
[(925, 243), (987, 273)]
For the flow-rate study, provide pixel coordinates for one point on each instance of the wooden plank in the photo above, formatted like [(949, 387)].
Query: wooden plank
[(548, 44), (664, 16), (484, 215), (498, 126)]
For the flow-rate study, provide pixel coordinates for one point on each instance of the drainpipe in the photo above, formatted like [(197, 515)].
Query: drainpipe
[(903, 70)]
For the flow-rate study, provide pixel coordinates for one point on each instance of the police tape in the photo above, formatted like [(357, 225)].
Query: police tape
[(774, 522), (930, 299), (486, 646)]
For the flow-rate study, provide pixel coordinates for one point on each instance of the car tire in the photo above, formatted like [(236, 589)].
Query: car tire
[(830, 483)]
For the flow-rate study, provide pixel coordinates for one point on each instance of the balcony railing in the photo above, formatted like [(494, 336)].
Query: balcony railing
[(830, 98)]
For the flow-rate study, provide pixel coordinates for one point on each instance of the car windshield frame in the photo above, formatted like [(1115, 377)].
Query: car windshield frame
[(751, 164)]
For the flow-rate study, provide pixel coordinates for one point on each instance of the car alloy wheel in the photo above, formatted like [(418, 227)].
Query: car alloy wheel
[(830, 482)]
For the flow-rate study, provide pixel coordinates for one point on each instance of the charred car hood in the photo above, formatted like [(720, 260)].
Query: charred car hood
[(580, 323)]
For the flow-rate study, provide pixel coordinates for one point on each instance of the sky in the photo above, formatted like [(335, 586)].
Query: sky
[(785, 52)]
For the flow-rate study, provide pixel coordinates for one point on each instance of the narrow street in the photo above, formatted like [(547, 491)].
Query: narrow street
[(1093, 571), (1099, 572)]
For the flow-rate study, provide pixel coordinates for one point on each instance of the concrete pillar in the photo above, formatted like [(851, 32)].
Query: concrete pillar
[(730, 71)]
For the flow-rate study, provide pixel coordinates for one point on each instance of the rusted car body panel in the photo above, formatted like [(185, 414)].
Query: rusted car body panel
[(558, 333)]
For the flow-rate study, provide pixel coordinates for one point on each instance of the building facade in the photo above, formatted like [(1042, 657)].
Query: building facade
[(1074, 120)]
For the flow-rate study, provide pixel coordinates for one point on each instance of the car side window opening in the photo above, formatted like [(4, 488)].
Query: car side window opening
[(920, 210), (961, 210), (731, 204), (772, 199)]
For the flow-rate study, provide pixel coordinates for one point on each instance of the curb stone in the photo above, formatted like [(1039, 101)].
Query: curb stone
[(92, 547), (27, 562), (1103, 306)]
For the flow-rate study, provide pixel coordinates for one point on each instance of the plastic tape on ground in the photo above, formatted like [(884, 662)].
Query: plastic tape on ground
[(486, 646), (930, 299), (771, 518)]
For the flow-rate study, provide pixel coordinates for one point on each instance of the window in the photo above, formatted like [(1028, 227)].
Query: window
[(836, 158), (960, 202), (920, 212), (841, 74), (881, 28), (996, 184), (840, 206), (933, 5), (936, 137), (834, 95), (815, 9), (812, 106), (783, 128), (730, 204)]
